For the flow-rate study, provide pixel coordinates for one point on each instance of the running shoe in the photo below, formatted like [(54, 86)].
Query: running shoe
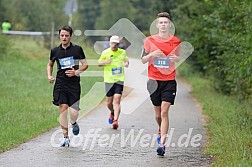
[(111, 118), (115, 124), (76, 128), (159, 137), (161, 150), (65, 142)]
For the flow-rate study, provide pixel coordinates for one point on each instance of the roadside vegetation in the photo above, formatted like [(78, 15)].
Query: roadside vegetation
[(229, 121)]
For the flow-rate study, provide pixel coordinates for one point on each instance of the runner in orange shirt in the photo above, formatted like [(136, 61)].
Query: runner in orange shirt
[(161, 51)]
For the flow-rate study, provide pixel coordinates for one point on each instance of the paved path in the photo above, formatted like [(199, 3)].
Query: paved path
[(133, 144)]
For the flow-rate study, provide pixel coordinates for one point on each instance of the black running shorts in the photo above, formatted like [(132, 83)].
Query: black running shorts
[(67, 95), (113, 88), (162, 91)]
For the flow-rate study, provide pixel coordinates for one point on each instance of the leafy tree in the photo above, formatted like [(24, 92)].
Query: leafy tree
[(88, 11), (2, 11), (163, 6), (191, 23), (234, 32), (144, 14), (34, 15), (113, 10), (220, 32)]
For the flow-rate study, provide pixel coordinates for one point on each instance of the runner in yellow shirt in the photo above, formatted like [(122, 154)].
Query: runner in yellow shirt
[(6, 26), (114, 60)]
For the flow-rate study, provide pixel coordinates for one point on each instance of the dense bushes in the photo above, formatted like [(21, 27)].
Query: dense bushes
[(220, 31)]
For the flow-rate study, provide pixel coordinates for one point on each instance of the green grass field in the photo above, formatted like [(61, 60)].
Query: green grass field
[(229, 123), (25, 93)]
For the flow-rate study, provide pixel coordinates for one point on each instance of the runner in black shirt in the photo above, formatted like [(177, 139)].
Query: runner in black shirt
[(66, 93)]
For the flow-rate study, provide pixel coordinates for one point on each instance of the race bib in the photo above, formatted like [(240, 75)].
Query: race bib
[(117, 71), (161, 62), (67, 62)]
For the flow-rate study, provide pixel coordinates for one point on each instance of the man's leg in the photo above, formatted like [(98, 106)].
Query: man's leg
[(117, 106), (63, 118), (117, 109), (158, 115), (165, 120), (73, 115), (164, 127), (109, 101)]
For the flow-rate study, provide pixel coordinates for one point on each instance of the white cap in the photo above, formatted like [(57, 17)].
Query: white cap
[(114, 39)]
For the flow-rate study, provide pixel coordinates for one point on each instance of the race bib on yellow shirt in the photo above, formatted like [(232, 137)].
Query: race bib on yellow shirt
[(117, 71)]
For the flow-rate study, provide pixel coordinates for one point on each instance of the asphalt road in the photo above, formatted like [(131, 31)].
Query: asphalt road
[(133, 144)]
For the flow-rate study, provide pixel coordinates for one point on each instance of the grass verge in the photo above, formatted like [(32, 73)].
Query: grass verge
[(229, 122)]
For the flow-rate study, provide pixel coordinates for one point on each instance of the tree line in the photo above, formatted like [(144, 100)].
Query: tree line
[(220, 31)]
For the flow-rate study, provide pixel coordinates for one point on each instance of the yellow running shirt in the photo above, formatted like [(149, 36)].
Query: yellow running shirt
[(114, 71)]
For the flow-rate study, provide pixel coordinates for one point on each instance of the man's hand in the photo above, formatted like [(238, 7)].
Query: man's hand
[(70, 73), (126, 64), (51, 79), (174, 58), (108, 61), (157, 53)]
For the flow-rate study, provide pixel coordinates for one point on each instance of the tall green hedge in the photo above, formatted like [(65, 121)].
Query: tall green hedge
[(221, 32)]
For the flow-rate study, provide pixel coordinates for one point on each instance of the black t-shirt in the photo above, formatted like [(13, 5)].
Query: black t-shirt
[(66, 59)]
